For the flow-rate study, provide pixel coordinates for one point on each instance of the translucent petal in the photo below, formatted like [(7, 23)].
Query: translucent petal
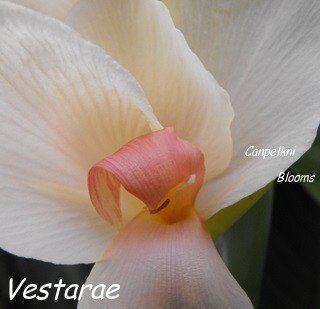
[(64, 105)]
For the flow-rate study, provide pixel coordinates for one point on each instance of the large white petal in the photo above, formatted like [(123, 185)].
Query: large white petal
[(64, 105), (140, 35), (160, 265), (55, 8), (267, 56)]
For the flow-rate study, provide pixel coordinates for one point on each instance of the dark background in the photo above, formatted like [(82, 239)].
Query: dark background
[(292, 271)]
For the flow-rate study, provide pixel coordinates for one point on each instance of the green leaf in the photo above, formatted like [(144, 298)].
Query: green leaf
[(309, 164), (223, 219)]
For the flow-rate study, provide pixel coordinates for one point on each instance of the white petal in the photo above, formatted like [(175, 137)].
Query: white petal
[(165, 266), (64, 105), (266, 55), (55, 8), (140, 35)]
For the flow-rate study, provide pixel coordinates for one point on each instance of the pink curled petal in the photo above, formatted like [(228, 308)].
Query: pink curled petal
[(149, 167), (160, 265)]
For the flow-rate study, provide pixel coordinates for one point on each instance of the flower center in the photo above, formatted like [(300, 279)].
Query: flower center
[(162, 170)]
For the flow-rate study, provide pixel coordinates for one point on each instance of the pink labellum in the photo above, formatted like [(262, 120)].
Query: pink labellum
[(162, 170), (161, 265)]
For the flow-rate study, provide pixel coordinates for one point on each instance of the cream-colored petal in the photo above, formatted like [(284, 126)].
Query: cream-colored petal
[(266, 55), (55, 8), (64, 105), (140, 35), (164, 266)]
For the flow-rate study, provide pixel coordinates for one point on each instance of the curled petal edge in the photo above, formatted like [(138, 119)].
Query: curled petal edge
[(155, 167)]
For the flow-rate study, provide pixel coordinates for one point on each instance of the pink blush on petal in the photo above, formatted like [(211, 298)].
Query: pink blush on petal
[(158, 168)]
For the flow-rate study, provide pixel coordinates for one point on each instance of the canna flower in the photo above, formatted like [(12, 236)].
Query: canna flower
[(117, 141)]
